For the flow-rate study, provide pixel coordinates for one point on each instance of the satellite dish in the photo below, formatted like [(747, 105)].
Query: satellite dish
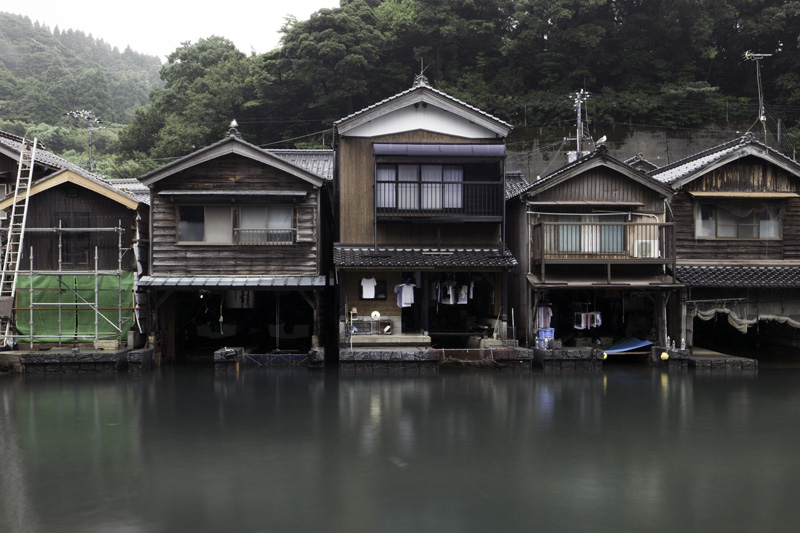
[(376, 315)]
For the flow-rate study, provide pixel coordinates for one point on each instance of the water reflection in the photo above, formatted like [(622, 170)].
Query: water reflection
[(288, 450)]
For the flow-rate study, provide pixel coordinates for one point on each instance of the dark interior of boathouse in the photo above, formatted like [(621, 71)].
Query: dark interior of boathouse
[(259, 321)]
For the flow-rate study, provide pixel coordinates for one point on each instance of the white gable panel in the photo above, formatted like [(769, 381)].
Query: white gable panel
[(427, 118)]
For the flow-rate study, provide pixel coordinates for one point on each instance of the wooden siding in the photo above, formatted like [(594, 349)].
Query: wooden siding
[(234, 173), (749, 174), (602, 184), (444, 234), (44, 211), (791, 229), (357, 180), (690, 247)]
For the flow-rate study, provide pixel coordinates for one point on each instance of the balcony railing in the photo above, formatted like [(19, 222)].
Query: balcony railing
[(261, 237), (439, 199), (603, 242)]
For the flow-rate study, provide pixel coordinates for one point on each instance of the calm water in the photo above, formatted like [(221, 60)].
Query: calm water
[(625, 449)]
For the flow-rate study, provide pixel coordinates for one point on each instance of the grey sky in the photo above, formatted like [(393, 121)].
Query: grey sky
[(159, 27)]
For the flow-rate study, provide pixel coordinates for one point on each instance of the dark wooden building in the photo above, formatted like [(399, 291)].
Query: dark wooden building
[(737, 218), (80, 255), (421, 259), (238, 249), (598, 245)]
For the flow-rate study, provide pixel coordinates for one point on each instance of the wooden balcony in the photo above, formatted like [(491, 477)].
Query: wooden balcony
[(440, 201), (602, 243)]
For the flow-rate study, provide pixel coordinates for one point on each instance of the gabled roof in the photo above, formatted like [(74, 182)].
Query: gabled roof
[(232, 144), (598, 158), (422, 93), (86, 180), (681, 172)]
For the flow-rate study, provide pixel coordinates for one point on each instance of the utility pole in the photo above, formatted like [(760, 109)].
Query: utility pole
[(762, 111), (578, 97), (90, 118)]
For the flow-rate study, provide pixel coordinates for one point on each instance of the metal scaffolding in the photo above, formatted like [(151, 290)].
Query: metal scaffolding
[(78, 302)]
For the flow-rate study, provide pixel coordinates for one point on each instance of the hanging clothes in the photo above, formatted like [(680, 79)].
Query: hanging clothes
[(449, 293), (368, 288), (405, 294), (543, 317), (462, 294)]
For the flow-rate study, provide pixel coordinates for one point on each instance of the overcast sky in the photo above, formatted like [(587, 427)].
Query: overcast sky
[(158, 27)]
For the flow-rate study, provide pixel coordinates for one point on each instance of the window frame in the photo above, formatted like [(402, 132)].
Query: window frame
[(205, 208), (291, 231), (723, 219), (236, 225), (423, 193)]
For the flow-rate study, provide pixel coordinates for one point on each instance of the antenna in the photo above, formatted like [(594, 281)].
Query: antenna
[(90, 118), (762, 112)]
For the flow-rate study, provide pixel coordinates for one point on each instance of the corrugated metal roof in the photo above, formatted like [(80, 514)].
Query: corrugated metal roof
[(421, 258), (230, 281)]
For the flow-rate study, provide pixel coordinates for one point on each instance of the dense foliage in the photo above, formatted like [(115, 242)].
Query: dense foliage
[(665, 63), (46, 73)]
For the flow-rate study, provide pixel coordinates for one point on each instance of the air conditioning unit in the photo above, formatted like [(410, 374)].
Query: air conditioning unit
[(646, 249)]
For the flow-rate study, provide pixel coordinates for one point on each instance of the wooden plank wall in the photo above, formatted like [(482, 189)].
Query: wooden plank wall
[(238, 173), (690, 247), (791, 229), (602, 184), (426, 234), (43, 212), (748, 174), (357, 180)]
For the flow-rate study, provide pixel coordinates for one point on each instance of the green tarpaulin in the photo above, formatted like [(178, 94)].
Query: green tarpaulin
[(79, 310)]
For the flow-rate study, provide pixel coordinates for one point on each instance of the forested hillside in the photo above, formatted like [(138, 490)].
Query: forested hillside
[(45, 73), (669, 63), (659, 63)]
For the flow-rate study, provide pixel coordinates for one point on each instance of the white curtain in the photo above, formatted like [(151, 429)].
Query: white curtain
[(218, 225), (386, 194), (453, 178), (408, 185), (431, 186)]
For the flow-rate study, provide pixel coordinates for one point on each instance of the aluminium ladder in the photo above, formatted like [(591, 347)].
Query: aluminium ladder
[(16, 236)]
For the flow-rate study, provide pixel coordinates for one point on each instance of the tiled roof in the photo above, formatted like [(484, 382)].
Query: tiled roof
[(515, 184), (319, 162), (419, 83), (59, 164), (739, 276), (311, 162), (680, 169), (421, 258), (43, 157), (639, 161), (134, 188)]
